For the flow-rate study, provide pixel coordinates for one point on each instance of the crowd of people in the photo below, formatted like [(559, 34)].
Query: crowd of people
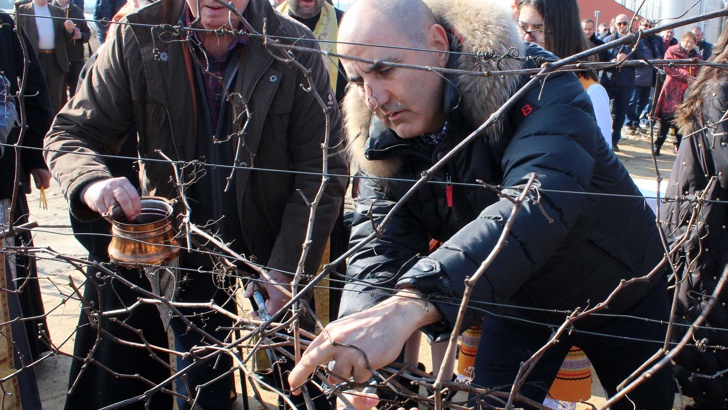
[(640, 97), (229, 99)]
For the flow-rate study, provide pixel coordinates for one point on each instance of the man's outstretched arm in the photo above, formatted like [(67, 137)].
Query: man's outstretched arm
[(370, 339)]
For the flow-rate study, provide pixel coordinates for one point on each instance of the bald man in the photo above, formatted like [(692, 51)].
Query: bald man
[(619, 83), (701, 44), (564, 251)]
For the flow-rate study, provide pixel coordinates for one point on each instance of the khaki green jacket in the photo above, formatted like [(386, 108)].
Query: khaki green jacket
[(143, 79)]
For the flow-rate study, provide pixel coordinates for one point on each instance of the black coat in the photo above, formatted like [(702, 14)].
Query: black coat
[(75, 47), (37, 106), (569, 250), (702, 248)]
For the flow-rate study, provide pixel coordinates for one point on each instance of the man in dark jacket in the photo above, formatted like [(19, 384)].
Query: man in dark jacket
[(247, 100), (587, 25), (701, 44), (619, 83), (75, 45), (104, 11), (570, 244), (48, 30)]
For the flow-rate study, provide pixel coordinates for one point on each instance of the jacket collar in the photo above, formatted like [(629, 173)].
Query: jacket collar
[(482, 28)]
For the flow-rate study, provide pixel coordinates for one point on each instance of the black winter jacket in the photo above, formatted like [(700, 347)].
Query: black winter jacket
[(701, 247), (570, 246)]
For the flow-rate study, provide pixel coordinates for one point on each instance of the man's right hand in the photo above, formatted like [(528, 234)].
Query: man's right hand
[(371, 337), (103, 194)]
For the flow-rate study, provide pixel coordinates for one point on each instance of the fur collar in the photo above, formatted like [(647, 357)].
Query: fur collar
[(483, 26)]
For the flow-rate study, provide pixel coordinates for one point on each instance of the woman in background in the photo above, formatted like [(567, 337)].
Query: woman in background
[(671, 95), (560, 33)]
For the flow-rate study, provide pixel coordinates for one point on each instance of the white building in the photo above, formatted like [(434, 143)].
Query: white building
[(667, 11)]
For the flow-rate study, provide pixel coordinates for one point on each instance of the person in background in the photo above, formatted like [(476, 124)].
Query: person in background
[(400, 121), (671, 95), (668, 39), (103, 13), (603, 31), (697, 231), (323, 20), (20, 269), (587, 25), (49, 31), (530, 24), (649, 48), (619, 82), (704, 48), (562, 39), (75, 46), (612, 27)]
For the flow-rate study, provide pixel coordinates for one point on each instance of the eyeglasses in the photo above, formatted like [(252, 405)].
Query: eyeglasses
[(536, 34), (622, 23)]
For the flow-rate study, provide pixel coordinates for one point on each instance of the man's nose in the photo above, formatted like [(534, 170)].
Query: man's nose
[(375, 96)]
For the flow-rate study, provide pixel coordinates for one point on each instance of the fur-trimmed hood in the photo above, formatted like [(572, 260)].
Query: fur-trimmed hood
[(485, 29)]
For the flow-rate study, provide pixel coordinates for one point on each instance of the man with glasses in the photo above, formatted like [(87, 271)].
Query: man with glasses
[(619, 82), (603, 31)]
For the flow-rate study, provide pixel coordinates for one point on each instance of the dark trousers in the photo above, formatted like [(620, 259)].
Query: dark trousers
[(618, 104), (97, 385), (72, 78), (665, 125), (506, 343), (638, 101), (208, 384), (55, 79)]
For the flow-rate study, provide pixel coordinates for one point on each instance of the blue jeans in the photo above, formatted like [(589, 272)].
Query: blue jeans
[(638, 101), (618, 104), (506, 343)]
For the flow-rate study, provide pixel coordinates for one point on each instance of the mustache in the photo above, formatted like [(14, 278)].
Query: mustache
[(386, 109)]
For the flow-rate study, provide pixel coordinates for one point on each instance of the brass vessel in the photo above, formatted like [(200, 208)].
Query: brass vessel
[(148, 240)]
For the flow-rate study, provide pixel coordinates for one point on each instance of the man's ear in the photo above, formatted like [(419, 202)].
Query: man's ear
[(437, 40)]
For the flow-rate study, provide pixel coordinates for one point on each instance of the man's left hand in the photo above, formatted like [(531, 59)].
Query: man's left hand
[(41, 177)]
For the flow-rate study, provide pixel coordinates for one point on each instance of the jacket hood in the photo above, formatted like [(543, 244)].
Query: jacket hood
[(482, 29)]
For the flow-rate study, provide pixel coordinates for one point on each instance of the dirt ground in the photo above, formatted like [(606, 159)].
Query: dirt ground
[(54, 232)]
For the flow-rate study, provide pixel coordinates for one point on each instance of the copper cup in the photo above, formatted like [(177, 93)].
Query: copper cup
[(148, 240)]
